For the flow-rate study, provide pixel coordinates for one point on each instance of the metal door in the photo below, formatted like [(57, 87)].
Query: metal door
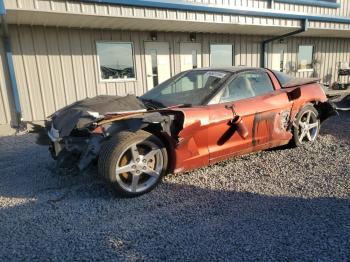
[(157, 63)]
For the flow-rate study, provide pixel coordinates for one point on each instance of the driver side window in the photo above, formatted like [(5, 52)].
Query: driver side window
[(247, 85)]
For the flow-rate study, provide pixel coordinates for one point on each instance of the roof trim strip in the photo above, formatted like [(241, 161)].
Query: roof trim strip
[(186, 6), (321, 3)]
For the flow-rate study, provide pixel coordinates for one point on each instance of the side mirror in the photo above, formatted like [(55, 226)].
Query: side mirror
[(241, 127)]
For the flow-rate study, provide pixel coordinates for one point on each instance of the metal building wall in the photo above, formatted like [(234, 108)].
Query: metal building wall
[(344, 9), (6, 102), (328, 52), (101, 12), (57, 66)]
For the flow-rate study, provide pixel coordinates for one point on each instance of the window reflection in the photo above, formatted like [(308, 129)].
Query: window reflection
[(116, 60), (221, 55), (305, 57), (154, 67)]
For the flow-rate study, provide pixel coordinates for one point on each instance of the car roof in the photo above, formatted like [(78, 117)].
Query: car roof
[(232, 69)]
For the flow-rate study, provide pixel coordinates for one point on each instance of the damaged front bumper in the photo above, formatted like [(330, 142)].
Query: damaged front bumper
[(77, 150)]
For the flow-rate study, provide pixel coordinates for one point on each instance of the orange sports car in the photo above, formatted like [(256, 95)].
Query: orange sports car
[(194, 119)]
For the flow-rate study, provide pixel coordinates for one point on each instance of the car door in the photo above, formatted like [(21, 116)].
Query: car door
[(255, 96)]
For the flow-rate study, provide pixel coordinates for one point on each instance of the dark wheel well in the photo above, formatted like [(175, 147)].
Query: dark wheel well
[(324, 109), (169, 143)]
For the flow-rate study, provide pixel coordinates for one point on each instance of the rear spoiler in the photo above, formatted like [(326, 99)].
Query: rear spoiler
[(300, 81)]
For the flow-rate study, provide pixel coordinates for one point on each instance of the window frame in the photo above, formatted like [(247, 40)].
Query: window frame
[(312, 59), (232, 49), (215, 100), (116, 80)]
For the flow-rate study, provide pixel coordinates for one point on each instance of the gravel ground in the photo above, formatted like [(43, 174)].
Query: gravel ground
[(286, 204)]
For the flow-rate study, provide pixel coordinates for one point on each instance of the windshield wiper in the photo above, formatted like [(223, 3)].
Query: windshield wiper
[(153, 103)]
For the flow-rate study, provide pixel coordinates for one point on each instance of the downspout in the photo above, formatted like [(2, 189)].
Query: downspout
[(18, 123), (269, 4), (263, 57)]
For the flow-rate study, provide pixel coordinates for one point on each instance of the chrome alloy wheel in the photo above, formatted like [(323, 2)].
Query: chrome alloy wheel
[(139, 167), (308, 127)]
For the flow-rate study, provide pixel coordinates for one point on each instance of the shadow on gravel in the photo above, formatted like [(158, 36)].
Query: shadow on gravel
[(44, 216), (338, 126), (176, 222)]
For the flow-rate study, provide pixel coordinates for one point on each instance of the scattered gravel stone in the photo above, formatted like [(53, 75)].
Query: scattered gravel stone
[(282, 204)]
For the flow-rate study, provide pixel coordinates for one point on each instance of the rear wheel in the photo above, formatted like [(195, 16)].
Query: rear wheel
[(133, 163), (307, 126)]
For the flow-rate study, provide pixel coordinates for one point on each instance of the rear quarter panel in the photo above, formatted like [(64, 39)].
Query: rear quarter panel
[(310, 93)]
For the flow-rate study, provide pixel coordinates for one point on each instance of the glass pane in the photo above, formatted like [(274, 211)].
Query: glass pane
[(305, 57), (194, 59), (281, 60), (116, 60), (246, 86), (154, 67), (260, 83), (192, 87), (221, 55)]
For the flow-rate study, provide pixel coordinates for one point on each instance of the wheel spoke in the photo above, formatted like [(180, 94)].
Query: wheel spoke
[(313, 125), (151, 154), (134, 152), (302, 135), (134, 182), (308, 135), (151, 172), (308, 117), (124, 169)]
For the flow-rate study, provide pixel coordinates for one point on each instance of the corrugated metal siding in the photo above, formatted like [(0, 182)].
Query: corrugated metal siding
[(78, 7), (104, 10), (57, 66), (328, 52), (344, 10), (6, 106)]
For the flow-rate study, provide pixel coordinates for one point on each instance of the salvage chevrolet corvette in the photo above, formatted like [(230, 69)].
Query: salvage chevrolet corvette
[(194, 119)]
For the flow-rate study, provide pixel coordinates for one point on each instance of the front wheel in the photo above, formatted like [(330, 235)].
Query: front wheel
[(307, 126), (133, 163)]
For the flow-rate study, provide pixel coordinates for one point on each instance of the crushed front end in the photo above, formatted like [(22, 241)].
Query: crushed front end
[(78, 132)]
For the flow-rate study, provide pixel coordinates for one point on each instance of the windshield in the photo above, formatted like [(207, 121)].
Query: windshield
[(189, 88)]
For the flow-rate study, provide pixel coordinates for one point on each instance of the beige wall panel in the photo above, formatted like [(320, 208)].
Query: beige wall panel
[(88, 50), (78, 65), (342, 11), (57, 66), (64, 46), (24, 93), (7, 110), (43, 69), (31, 72)]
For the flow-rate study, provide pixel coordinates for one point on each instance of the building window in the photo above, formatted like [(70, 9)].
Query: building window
[(116, 61), (305, 58), (221, 55)]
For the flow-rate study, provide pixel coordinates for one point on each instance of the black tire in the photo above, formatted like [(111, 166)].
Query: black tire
[(118, 149), (299, 138)]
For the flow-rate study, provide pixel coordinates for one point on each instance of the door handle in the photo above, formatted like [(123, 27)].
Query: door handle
[(152, 75)]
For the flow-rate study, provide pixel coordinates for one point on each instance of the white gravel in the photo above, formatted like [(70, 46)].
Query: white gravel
[(287, 204)]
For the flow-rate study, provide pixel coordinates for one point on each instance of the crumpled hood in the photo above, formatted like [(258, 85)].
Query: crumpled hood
[(84, 112)]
